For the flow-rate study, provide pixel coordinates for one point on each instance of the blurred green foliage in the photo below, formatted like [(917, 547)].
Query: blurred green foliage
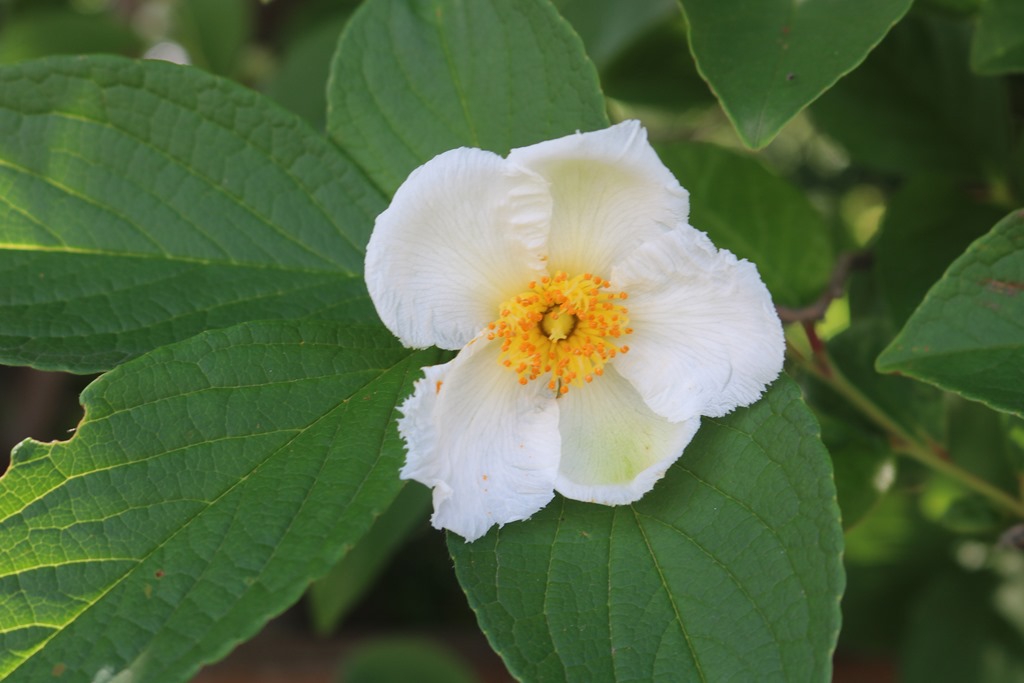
[(914, 155)]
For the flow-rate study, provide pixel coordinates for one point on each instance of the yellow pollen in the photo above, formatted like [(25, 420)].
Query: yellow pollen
[(562, 328)]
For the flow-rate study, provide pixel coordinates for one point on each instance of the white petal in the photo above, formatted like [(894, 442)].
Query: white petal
[(610, 194), (487, 446), (464, 233), (614, 448), (706, 336)]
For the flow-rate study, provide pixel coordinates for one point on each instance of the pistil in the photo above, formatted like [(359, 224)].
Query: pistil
[(562, 329)]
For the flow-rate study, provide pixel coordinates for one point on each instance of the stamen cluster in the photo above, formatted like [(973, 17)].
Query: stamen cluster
[(566, 327)]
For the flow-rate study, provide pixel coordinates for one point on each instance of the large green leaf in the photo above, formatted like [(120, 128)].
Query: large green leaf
[(412, 79), (209, 482), (768, 60), (729, 570), (998, 43), (967, 335), (141, 203), (914, 106), (756, 215)]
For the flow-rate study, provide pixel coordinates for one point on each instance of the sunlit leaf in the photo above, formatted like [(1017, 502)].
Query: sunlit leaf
[(209, 482), (143, 202)]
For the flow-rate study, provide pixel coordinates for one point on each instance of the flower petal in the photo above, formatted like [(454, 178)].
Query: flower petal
[(706, 335), (487, 446), (614, 448), (464, 233), (610, 194)]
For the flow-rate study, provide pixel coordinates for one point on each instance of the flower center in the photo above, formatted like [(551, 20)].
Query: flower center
[(566, 327)]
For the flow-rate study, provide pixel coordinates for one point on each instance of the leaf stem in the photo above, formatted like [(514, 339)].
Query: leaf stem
[(852, 260), (924, 450)]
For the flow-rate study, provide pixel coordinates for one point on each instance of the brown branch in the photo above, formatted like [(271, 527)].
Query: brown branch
[(848, 261)]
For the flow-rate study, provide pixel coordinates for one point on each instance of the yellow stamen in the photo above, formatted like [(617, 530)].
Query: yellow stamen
[(566, 326)]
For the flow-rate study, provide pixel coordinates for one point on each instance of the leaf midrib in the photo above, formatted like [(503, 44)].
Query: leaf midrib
[(908, 358), (177, 258)]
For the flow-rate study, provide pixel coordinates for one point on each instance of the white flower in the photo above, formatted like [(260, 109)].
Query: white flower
[(594, 325)]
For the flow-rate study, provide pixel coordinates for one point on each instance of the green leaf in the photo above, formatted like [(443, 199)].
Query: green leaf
[(998, 43), (655, 71), (414, 78), (728, 570), (914, 106), (928, 223), (955, 635), (967, 336), (333, 595), (608, 27), (143, 202), (768, 60), (209, 482), (745, 208)]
